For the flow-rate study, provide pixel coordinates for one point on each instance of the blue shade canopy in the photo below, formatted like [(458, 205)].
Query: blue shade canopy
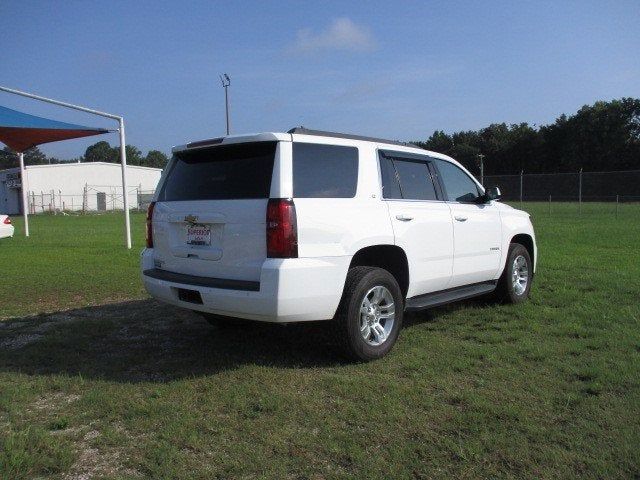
[(21, 131)]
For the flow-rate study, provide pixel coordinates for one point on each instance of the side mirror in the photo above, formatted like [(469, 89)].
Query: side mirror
[(492, 193)]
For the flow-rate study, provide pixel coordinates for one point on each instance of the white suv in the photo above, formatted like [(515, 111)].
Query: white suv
[(310, 225)]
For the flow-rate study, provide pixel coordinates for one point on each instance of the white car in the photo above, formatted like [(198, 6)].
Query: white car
[(6, 229), (310, 225)]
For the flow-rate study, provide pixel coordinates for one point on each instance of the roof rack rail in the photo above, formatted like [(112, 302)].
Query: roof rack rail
[(320, 133)]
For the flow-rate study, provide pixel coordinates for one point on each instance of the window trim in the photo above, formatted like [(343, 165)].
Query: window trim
[(444, 189), (414, 158)]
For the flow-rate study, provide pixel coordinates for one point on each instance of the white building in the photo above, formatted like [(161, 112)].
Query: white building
[(76, 186)]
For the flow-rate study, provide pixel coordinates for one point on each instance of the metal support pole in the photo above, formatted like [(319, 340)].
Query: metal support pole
[(580, 192), (521, 172), (23, 189), (226, 102), (226, 81), (123, 164)]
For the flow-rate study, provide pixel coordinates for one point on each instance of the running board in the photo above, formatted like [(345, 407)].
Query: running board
[(443, 297)]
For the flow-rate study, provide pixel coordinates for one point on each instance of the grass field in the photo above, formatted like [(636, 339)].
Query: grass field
[(97, 380)]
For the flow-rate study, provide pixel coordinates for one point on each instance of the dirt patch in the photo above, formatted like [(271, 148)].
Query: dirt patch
[(54, 401), (93, 462)]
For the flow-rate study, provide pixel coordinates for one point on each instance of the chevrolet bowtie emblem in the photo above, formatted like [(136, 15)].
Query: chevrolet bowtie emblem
[(191, 219)]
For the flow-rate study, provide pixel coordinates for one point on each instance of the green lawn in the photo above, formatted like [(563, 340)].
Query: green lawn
[(110, 384), (69, 261)]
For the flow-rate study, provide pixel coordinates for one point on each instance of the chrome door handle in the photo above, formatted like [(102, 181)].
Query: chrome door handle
[(404, 218), (460, 219)]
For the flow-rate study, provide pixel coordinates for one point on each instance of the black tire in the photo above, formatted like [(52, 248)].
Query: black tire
[(505, 291), (361, 280), (225, 323)]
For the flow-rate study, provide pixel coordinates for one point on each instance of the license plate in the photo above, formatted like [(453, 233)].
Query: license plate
[(198, 235)]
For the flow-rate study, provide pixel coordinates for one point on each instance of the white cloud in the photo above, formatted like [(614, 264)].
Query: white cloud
[(340, 34)]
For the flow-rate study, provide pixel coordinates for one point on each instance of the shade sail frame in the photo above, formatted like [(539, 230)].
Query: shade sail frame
[(123, 154), (22, 131)]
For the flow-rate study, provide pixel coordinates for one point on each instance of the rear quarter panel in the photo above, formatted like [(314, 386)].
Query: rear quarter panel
[(342, 226)]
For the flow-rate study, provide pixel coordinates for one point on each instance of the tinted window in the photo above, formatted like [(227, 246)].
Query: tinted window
[(240, 171), (324, 171), (459, 186), (390, 186), (406, 178), (415, 180)]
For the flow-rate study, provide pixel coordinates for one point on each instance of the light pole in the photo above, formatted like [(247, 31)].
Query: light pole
[(226, 82), (481, 160)]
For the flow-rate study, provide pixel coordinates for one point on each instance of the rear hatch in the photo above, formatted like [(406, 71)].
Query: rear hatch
[(210, 215)]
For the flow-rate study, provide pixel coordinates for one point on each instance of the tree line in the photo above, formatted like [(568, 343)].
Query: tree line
[(604, 136), (98, 152)]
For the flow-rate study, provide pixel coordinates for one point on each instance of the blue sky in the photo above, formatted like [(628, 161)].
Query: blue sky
[(390, 69)]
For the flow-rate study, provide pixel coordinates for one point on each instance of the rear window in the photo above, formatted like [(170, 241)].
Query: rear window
[(324, 171), (230, 172)]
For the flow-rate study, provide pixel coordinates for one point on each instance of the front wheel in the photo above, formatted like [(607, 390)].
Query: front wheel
[(515, 283), (369, 317)]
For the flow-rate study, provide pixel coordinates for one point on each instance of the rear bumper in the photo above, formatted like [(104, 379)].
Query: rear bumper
[(289, 290), (6, 231)]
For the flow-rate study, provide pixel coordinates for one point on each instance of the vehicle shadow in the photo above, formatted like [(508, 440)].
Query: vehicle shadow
[(146, 341)]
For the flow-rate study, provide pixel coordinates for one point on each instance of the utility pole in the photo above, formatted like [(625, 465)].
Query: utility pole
[(481, 160), (226, 82)]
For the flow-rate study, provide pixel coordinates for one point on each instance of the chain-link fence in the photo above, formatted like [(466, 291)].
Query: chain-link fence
[(619, 187), (94, 198)]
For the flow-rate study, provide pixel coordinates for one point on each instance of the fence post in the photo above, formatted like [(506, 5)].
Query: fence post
[(521, 172), (580, 192), (549, 205)]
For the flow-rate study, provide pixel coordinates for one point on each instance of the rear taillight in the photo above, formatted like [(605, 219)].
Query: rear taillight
[(282, 231), (7, 221), (149, 230)]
